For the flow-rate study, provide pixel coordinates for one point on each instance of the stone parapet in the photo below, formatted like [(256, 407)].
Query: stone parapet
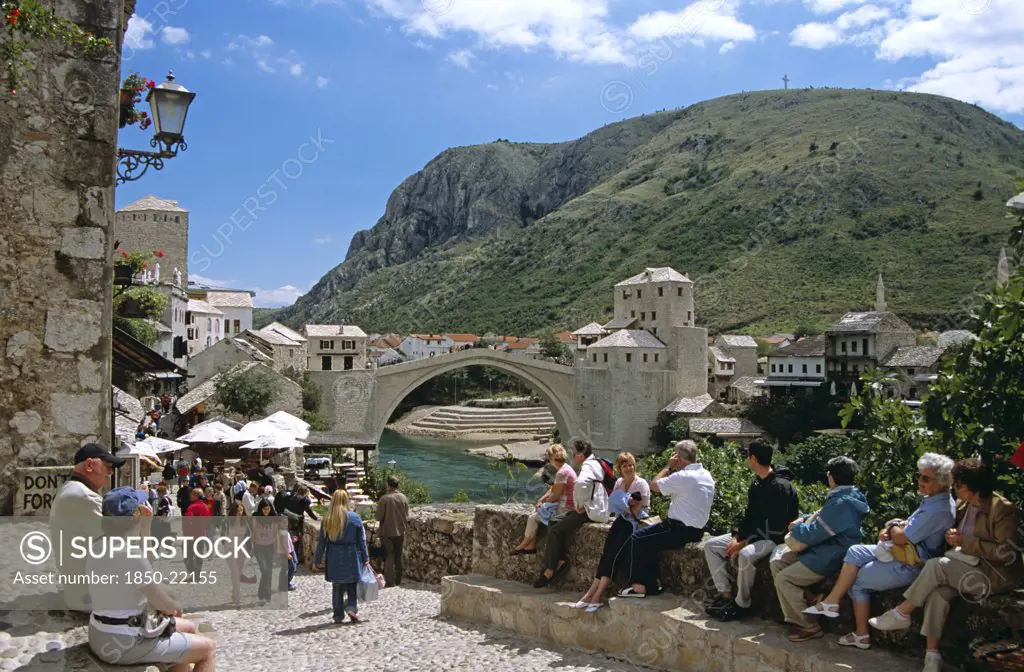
[(654, 631)]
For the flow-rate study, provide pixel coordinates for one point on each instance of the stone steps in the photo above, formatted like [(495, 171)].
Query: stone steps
[(530, 426), (467, 419), (654, 631), (466, 411)]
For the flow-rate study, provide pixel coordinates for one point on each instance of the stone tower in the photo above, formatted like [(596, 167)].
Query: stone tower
[(152, 223)]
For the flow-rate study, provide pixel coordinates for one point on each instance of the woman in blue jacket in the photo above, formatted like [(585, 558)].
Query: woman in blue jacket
[(825, 537), (343, 541)]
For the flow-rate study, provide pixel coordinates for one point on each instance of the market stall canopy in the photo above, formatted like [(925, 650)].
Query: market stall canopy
[(159, 445), (213, 432), (258, 429), (297, 427), (279, 441)]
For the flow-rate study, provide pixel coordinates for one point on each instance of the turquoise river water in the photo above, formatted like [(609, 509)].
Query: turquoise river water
[(446, 468)]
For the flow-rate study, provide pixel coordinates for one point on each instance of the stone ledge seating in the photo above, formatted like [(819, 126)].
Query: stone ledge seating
[(685, 573), (655, 631)]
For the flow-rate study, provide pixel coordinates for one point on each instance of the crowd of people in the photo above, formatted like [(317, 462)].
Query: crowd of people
[(963, 539)]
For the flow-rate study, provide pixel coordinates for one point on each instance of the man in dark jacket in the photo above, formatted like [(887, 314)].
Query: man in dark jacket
[(771, 505)]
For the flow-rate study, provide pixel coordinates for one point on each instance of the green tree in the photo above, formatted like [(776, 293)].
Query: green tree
[(669, 428), (510, 468), (247, 393), (375, 484), (553, 349), (808, 459)]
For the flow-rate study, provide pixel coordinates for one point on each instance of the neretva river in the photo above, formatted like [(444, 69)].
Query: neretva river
[(445, 467)]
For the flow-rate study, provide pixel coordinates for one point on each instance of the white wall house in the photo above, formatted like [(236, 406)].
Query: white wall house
[(335, 347), (236, 306), (421, 346), (800, 364), (204, 326)]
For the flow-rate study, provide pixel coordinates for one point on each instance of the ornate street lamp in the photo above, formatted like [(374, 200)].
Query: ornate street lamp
[(169, 103)]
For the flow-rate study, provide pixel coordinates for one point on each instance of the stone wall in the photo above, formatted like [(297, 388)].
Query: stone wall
[(58, 143), (438, 542)]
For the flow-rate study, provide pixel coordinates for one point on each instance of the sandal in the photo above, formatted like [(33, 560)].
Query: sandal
[(591, 608), (823, 609), (523, 551), (798, 634), (853, 639), (560, 571), (581, 605), (629, 592)]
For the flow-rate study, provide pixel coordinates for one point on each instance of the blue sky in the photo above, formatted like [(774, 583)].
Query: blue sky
[(310, 112)]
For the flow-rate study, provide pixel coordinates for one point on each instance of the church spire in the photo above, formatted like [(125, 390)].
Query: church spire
[(1002, 269), (880, 295)]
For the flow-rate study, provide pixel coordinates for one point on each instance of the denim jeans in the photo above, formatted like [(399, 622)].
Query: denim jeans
[(265, 557), (338, 599)]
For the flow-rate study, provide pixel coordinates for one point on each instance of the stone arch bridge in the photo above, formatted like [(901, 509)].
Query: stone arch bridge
[(362, 401)]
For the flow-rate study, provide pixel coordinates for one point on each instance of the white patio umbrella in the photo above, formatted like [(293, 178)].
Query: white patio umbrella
[(213, 432), (273, 441), (143, 452), (159, 445), (297, 427), (259, 428)]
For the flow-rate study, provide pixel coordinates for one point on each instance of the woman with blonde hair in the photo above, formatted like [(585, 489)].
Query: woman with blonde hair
[(343, 541), (554, 504), (629, 501)]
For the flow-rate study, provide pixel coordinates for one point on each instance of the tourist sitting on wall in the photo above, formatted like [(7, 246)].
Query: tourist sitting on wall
[(985, 559), (691, 490), (771, 504), (823, 538), (554, 504), (136, 622), (903, 548), (590, 501), (629, 501), (341, 547)]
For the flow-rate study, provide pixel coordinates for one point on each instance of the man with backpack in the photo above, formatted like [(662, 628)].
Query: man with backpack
[(691, 490), (590, 496)]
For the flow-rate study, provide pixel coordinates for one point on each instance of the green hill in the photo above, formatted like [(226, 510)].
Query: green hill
[(783, 206)]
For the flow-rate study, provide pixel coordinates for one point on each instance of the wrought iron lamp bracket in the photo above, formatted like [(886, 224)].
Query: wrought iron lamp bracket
[(133, 163)]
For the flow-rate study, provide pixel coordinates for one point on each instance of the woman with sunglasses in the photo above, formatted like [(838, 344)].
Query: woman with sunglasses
[(864, 573)]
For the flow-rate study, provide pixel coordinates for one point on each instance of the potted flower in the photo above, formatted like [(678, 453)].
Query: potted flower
[(128, 265), (131, 95)]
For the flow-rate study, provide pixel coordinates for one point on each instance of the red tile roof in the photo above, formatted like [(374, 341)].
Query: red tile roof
[(463, 338)]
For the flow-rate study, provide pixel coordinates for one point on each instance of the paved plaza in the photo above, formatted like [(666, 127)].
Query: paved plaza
[(402, 633)]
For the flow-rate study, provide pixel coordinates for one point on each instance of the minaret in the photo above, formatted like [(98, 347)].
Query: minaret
[(880, 296), (1002, 269)]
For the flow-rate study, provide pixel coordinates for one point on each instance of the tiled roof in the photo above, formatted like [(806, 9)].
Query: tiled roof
[(428, 337), (776, 339), (661, 274), (463, 338), (279, 328), (738, 341), (207, 389), (726, 426), (197, 306), (129, 404), (592, 329), (346, 330), (229, 299), (565, 336), (272, 337), (524, 343), (914, 355), (868, 322), (810, 346), (153, 203), (628, 338), (689, 404), (748, 386), (160, 326), (721, 356), (249, 348), (620, 323), (948, 338)]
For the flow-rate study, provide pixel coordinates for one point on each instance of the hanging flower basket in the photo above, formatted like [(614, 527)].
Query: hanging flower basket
[(131, 95), (123, 274)]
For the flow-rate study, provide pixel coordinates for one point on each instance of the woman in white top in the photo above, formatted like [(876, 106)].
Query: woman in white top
[(558, 497), (630, 498)]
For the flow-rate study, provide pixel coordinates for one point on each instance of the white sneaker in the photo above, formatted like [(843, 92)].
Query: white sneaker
[(932, 662), (889, 621)]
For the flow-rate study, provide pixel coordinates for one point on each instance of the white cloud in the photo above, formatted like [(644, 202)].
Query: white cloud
[(420, 44), (574, 29), (695, 22), (726, 47), (208, 282), (275, 298), (296, 69), (135, 37), (830, 6), (206, 53), (815, 36), (492, 87), (321, 82), (190, 55), (321, 240), (461, 59), (264, 66), (173, 35), (975, 44)]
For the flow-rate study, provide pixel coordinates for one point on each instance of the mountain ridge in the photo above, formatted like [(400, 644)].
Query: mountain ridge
[(783, 206)]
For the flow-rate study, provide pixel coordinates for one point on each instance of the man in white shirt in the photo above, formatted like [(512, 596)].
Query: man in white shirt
[(251, 498), (76, 511), (590, 501), (691, 490)]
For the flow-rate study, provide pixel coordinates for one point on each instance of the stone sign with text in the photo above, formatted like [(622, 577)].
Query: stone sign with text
[(37, 488)]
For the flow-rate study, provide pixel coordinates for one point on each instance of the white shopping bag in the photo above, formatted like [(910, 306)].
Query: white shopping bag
[(368, 587)]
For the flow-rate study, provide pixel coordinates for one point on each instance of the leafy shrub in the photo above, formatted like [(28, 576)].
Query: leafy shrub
[(375, 485), (461, 497), (808, 459), (669, 429)]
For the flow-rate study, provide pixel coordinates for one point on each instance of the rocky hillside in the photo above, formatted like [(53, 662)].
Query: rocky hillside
[(782, 205)]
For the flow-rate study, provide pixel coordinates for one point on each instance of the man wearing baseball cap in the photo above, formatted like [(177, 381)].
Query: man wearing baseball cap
[(77, 511), (138, 621)]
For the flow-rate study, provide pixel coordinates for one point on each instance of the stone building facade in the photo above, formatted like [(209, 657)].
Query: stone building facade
[(150, 224), (58, 144)]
